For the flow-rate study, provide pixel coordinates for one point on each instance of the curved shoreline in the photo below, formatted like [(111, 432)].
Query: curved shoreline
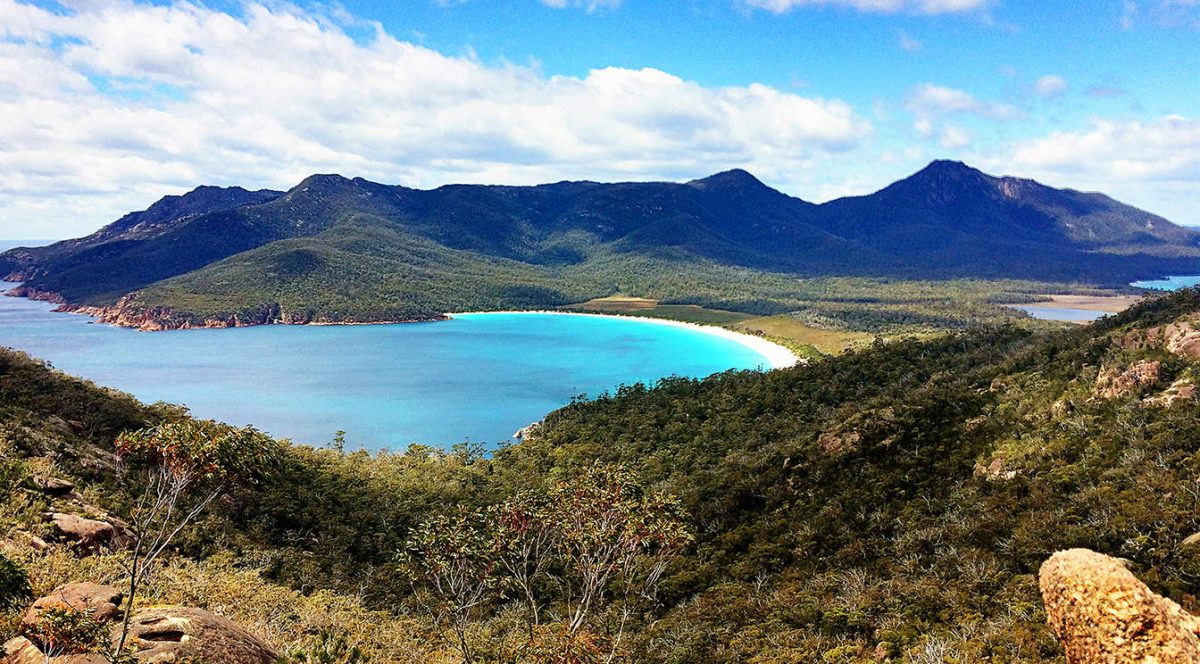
[(776, 355)]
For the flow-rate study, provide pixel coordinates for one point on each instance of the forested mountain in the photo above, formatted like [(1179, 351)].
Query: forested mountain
[(890, 505), (954, 220), (352, 250)]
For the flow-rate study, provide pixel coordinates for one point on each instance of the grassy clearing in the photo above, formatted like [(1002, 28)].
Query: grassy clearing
[(828, 342), (648, 308)]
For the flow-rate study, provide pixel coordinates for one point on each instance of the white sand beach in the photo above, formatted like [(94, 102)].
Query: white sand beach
[(776, 356)]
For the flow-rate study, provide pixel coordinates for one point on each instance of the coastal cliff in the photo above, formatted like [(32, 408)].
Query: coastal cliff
[(125, 313)]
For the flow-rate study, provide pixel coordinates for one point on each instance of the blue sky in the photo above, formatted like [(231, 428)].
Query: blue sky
[(110, 105)]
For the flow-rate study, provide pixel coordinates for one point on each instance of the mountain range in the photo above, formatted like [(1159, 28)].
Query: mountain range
[(338, 249)]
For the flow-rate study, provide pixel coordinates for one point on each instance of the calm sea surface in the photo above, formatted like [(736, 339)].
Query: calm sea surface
[(1170, 283), (477, 377)]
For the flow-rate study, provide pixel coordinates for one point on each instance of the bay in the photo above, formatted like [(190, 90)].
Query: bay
[(1171, 283), (475, 377)]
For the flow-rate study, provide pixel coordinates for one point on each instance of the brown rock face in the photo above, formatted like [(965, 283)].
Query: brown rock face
[(1113, 383), (88, 534), (1181, 338), (160, 634), (838, 442), (168, 634), (1102, 614), (22, 651), (1180, 390), (101, 602), (52, 486)]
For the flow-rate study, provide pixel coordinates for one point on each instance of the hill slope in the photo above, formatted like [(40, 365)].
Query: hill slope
[(893, 504), (208, 256)]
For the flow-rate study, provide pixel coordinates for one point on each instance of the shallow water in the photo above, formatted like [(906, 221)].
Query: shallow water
[(1061, 313), (477, 377), (1172, 283)]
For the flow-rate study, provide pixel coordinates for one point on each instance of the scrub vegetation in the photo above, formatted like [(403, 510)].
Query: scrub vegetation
[(892, 503)]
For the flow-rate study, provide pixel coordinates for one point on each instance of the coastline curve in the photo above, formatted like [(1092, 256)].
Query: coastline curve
[(776, 356)]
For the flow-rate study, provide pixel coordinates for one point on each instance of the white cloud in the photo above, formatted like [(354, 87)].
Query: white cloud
[(1104, 91), (589, 5), (938, 111), (932, 105), (109, 106), (1163, 13), (1153, 164), (1050, 86), (877, 6), (953, 137), (909, 43), (928, 99)]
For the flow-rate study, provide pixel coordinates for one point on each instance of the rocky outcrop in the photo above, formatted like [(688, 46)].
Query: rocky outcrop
[(52, 486), (157, 634), (33, 293), (23, 651), (1113, 382), (127, 313), (88, 534), (1181, 338), (1181, 390), (171, 634), (996, 470), (153, 319), (101, 602), (837, 442), (1103, 614), (528, 432)]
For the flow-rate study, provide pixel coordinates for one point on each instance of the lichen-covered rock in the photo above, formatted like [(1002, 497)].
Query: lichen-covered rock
[(156, 635), (1181, 338), (23, 651), (995, 470), (169, 634), (52, 486), (88, 534), (1113, 382), (102, 603), (837, 442), (1102, 613), (1181, 390)]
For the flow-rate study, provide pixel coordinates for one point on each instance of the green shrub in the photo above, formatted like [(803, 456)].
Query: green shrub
[(14, 585)]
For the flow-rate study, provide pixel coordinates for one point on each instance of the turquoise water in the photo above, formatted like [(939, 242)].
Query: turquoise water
[(1170, 283), (477, 377), (1060, 313)]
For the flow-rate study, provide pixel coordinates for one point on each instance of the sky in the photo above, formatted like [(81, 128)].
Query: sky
[(108, 105)]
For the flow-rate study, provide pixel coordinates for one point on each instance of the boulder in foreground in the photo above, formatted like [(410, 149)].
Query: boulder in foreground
[(1102, 613), (157, 634)]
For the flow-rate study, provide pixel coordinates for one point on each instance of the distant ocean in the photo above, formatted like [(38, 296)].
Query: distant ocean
[(5, 245)]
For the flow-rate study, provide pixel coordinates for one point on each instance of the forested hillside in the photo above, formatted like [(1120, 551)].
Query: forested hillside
[(891, 504), (334, 249)]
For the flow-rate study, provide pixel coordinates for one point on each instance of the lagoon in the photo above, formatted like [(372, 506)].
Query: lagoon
[(1061, 313), (476, 377)]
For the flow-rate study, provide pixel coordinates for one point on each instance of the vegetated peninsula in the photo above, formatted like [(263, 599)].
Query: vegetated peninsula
[(333, 249), (893, 504)]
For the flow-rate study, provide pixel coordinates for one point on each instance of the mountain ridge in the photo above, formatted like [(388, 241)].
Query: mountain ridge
[(574, 240)]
